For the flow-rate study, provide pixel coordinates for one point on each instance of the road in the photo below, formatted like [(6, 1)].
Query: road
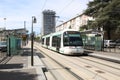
[(62, 67)]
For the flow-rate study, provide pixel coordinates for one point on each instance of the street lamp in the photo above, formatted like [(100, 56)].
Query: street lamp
[(32, 36)]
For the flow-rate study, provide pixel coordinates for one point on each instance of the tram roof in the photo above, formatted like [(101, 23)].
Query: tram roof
[(59, 32)]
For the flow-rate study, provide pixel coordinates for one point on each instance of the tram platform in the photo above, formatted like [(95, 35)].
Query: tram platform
[(110, 56), (18, 67)]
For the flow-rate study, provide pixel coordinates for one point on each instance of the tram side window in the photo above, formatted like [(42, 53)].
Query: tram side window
[(66, 40), (47, 41), (43, 41), (56, 41)]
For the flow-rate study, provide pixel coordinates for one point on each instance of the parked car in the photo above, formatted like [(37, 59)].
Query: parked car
[(109, 43), (3, 46), (118, 43)]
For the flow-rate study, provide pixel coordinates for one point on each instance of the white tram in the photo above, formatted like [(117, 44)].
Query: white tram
[(65, 42)]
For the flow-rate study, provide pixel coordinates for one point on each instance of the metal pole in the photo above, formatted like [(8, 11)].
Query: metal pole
[(32, 43), (5, 23), (24, 24), (102, 29), (32, 40)]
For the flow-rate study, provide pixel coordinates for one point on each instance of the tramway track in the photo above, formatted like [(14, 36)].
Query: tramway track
[(88, 61), (64, 67), (78, 70), (101, 63), (77, 66), (99, 70)]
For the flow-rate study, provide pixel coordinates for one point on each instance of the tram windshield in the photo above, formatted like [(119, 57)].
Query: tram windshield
[(72, 38)]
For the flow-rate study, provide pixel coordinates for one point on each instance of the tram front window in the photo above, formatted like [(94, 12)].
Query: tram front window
[(72, 39)]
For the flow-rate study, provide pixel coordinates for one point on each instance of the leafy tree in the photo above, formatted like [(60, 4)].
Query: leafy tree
[(106, 14), (83, 27)]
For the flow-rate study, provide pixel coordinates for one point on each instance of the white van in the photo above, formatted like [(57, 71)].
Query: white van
[(109, 43)]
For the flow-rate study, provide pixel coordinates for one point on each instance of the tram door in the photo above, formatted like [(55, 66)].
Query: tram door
[(58, 41)]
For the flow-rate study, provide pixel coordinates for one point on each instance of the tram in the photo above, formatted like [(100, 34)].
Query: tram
[(65, 42)]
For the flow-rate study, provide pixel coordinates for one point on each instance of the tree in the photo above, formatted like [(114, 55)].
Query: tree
[(106, 14)]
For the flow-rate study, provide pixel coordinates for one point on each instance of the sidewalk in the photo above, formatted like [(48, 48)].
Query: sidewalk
[(19, 67)]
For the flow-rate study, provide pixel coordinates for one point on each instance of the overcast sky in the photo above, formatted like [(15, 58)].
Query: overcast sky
[(18, 11)]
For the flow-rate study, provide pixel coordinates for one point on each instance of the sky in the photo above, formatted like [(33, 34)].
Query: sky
[(13, 13)]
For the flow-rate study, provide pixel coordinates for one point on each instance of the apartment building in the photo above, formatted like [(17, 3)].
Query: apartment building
[(74, 23)]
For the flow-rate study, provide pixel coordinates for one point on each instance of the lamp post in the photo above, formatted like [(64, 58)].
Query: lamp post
[(32, 36)]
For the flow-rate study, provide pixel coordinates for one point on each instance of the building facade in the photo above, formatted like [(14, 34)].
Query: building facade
[(48, 22), (16, 32), (74, 23)]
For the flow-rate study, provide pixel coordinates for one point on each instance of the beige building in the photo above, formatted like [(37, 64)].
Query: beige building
[(74, 23)]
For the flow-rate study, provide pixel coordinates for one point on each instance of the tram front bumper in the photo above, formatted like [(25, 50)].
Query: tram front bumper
[(73, 50)]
